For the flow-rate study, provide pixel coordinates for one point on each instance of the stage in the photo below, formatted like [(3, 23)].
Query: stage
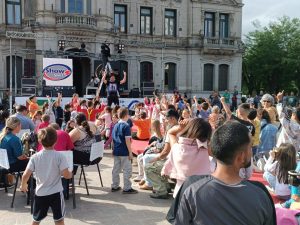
[(124, 102)]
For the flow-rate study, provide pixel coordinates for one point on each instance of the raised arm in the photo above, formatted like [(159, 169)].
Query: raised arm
[(104, 78), (124, 78), (226, 108)]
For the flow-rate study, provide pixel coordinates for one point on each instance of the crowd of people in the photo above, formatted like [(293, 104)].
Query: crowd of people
[(199, 149)]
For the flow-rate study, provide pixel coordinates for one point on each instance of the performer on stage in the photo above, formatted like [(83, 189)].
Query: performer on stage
[(113, 88)]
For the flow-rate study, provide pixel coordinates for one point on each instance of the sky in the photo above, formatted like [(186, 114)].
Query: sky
[(266, 11)]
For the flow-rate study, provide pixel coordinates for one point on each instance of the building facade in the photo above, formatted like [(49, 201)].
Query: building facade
[(193, 46)]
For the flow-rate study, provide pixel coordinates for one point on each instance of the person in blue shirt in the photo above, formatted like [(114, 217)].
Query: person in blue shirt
[(26, 122), (268, 133), (122, 154), (9, 141)]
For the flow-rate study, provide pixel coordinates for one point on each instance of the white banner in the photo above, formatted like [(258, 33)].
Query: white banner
[(58, 72)]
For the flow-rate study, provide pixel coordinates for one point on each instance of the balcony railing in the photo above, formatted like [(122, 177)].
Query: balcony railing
[(78, 20), (230, 43), (28, 22)]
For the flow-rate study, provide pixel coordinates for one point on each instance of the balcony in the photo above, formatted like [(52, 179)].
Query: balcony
[(28, 22), (76, 20), (220, 43)]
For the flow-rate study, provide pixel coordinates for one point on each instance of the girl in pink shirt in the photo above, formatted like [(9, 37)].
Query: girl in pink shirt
[(107, 117), (189, 153)]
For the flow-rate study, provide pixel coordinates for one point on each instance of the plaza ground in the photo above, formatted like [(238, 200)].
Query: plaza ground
[(99, 208)]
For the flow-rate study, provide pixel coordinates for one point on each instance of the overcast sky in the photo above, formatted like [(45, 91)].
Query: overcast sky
[(265, 11)]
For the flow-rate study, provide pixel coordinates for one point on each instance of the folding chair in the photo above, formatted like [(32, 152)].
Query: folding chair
[(69, 157), (22, 132), (4, 163), (96, 156)]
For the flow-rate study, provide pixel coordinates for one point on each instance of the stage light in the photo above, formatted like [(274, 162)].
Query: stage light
[(61, 45), (120, 47)]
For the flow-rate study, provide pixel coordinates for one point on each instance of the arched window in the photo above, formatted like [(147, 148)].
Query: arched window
[(208, 82), (19, 70), (223, 77), (146, 78), (146, 72), (170, 76)]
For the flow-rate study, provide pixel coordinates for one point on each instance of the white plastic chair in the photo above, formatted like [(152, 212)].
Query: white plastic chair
[(97, 150), (4, 163), (22, 132), (69, 157)]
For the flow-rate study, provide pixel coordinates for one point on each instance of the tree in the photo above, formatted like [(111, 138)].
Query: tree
[(272, 57)]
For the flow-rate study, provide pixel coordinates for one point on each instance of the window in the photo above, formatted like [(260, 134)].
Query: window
[(62, 6), (146, 72), (224, 28), (13, 11), (121, 18), (170, 76), (19, 68), (170, 22), (208, 77), (88, 7), (29, 67), (209, 24), (75, 6), (29, 8), (223, 77), (146, 21)]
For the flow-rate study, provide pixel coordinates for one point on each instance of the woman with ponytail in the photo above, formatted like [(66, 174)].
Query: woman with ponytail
[(82, 138), (9, 141), (189, 153)]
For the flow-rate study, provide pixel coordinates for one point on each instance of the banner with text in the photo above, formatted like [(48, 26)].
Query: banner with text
[(58, 72)]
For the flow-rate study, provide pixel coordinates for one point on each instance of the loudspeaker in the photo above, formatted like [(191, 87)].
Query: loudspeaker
[(28, 91), (134, 93), (53, 91)]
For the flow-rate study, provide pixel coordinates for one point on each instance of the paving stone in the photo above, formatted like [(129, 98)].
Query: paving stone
[(101, 207)]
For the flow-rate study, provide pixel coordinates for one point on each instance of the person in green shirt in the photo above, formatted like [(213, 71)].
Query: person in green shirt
[(226, 95)]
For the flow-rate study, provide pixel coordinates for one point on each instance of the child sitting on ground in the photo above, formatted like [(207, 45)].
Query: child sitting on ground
[(48, 165)]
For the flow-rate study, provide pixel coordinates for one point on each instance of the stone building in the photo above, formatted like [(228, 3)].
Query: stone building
[(190, 45)]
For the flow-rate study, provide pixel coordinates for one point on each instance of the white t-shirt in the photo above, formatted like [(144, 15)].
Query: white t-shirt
[(48, 165)]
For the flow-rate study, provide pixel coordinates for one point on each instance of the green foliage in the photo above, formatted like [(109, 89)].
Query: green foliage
[(271, 61)]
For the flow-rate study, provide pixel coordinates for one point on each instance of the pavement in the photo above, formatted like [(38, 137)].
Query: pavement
[(101, 207)]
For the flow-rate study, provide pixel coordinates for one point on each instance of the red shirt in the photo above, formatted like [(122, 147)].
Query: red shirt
[(63, 143), (41, 126), (91, 113)]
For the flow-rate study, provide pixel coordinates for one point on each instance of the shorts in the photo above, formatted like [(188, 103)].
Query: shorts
[(107, 132), (41, 206)]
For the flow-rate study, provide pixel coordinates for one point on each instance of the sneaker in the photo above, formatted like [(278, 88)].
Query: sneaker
[(146, 187), (142, 182), (138, 179), (9, 186), (130, 191), (157, 196), (115, 189)]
